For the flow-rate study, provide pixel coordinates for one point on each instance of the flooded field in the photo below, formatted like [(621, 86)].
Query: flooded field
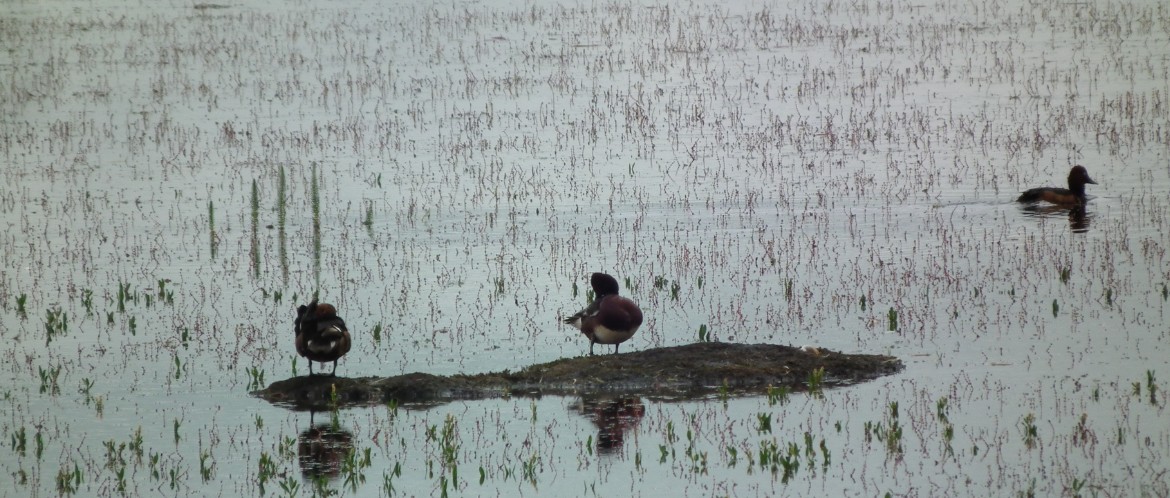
[(178, 177)]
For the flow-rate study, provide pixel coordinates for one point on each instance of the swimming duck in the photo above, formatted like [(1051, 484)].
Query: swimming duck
[(1074, 195), (321, 334), (610, 318)]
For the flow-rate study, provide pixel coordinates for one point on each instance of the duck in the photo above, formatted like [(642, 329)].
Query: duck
[(610, 318), (321, 334), (1074, 195)]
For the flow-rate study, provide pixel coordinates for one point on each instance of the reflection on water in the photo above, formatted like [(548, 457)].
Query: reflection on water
[(613, 416), (321, 449), (1078, 217)]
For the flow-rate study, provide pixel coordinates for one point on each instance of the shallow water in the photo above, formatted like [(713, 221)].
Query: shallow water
[(778, 164)]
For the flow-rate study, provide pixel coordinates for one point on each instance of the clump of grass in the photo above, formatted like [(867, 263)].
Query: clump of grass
[(19, 441), (388, 479), (368, 221), (255, 243), (256, 377), (49, 380), (889, 431), (213, 238), (816, 380), (353, 467), (1028, 427), (268, 471), (21, 305), (763, 423), (948, 429), (68, 482), (892, 319), (87, 301), (56, 322), (1151, 387), (777, 395), (1055, 308), (315, 201), (281, 219), (206, 466), (124, 294), (704, 334)]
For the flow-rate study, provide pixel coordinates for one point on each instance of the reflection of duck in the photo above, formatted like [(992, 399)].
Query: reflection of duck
[(321, 448), (613, 416), (1074, 195), (610, 318), (321, 334), (1078, 218)]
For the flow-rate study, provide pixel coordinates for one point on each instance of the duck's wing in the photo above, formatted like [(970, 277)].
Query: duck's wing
[(593, 308)]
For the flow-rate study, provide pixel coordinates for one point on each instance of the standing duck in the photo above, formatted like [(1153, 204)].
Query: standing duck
[(610, 318), (321, 334), (1074, 195)]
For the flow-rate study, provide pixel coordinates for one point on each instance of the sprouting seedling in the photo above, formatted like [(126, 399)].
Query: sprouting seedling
[(21, 302), (777, 395), (257, 377), (1028, 427), (763, 423), (704, 335), (1055, 308), (206, 465), (863, 302), (892, 319), (816, 379), (1065, 274), (87, 301), (369, 219), (1151, 387)]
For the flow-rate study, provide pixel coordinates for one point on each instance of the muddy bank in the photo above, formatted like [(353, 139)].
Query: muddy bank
[(681, 371)]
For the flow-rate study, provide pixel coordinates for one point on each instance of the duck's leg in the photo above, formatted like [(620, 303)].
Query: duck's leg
[(334, 372), (310, 367), (590, 347)]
